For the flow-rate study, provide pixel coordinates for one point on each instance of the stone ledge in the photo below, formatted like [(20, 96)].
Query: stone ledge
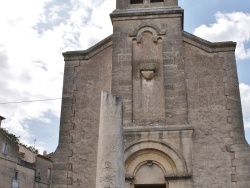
[(129, 178), (158, 128), (146, 12), (178, 177)]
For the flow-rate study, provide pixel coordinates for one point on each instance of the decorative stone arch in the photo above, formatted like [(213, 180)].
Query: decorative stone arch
[(162, 147), (146, 29), (155, 156), (164, 157), (137, 33)]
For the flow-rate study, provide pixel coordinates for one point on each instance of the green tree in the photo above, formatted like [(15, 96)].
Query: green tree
[(11, 136), (16, 140)]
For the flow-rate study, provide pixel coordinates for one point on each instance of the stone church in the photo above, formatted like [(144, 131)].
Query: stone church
[(174, 117)]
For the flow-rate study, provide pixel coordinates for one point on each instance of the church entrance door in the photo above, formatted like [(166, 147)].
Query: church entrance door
[(150, 186)]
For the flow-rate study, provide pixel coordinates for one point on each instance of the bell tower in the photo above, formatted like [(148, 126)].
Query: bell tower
[(148, 69), (130, 4), (148, 74)]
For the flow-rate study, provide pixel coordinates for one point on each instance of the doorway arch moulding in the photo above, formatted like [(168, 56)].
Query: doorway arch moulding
[(162, 155)]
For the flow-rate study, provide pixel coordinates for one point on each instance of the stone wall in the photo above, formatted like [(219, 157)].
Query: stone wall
[(43, 176), (8, 161), (110, 160), (26, 176), (84, 78), (169, 147), (215, 113), (154, 108), (167, 34), (28, 156)]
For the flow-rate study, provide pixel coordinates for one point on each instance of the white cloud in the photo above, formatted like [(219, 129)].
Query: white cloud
[(34, 33), (91, 28), (245, 101), (229, 26)]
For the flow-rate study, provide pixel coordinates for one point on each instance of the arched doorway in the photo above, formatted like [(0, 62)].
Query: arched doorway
[(150, 175), (151, 164)]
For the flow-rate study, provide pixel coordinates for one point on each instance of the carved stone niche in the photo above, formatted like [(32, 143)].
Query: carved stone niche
[(148, 70)]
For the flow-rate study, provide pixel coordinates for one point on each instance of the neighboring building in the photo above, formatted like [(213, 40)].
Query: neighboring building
[(43, 171), (26, 154), (13, 172), (22, 168), (182, 117), (42, 166)]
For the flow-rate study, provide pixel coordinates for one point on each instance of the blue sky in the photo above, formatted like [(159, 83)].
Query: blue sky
[(34, 33)]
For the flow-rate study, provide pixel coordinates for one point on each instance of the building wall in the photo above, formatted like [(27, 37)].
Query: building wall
[(43, 176), (215, 112), (84, 79), (154, 111), (26, 176), (29, 156), (10, 167), (206, 101), (8, 162), (87, 112), (168, 32)]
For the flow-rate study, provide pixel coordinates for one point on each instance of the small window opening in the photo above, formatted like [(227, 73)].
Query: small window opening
[(49, 174), (136, 1), (156, 1), (5, 148), (16, 175), (38, 175)]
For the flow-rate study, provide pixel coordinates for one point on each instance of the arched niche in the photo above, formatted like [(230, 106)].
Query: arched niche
[(149, 175), (154, 29), (147, 65)]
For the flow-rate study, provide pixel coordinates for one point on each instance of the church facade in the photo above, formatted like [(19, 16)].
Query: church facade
[(181, 116)]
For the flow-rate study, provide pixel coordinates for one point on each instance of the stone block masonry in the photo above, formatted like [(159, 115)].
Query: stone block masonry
[(110, 162)]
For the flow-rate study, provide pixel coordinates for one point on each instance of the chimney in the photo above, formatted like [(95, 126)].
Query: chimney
[(44, 153), (1, 118)]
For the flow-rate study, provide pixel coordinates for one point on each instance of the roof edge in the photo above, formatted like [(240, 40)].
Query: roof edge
[(208, 46), (2, 118), (44, 157), (86, 54)]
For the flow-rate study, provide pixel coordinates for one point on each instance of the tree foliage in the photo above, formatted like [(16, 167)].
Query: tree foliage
[(11, 136), (16, 140)]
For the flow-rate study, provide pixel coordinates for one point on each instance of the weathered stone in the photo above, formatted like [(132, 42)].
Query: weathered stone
[(110, 162)]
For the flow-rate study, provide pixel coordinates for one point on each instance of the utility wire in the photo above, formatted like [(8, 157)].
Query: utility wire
[(30, 101), (15, 72)]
